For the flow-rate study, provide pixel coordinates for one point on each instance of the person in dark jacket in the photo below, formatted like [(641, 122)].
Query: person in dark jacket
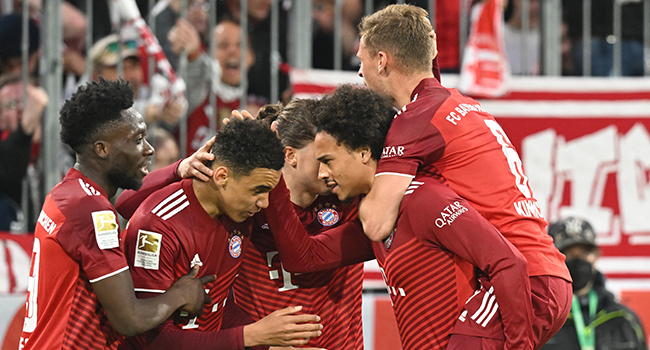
[(597, 321)]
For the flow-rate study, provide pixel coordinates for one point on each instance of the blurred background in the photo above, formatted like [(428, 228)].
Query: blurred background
[(566, 79)]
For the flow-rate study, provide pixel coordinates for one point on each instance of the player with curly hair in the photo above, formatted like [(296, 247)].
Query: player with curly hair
[(80, 292), (439, 132), (428, 262), (265, 282), (193, 222)]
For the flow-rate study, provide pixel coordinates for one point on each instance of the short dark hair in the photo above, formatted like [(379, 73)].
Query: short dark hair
[(94, 108), (244, 145), (356, 117), (295, 122)]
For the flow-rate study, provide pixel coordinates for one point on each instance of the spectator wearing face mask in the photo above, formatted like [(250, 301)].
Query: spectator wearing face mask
[(597, 321)]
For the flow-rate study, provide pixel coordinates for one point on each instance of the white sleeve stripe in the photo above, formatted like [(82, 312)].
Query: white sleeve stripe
[(109, 275), (171, 205), (396, 174), (145, 290), (173, 212), (166, 200)]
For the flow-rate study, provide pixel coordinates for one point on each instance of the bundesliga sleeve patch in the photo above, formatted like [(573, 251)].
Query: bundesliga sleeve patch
[(147, 251), (328, 216), (105, 225)]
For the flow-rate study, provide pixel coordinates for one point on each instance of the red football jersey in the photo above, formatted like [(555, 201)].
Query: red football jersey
[(168, 234), (428, 263), (449, 136), (265, 285), (76, 243)]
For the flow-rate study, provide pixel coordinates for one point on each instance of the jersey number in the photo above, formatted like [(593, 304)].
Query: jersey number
[(514, 161), (32, 289)]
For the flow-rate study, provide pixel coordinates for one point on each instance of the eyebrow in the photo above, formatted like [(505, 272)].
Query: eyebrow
[(263, 187)]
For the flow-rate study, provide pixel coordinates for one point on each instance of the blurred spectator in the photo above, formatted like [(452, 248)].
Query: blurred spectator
[(11, 31), (259, 31), (596, 320), (20, 131), (516, 43), (323, 38), (221, 75), (602, 40), (167, 14), (104, 57), (165, 145)]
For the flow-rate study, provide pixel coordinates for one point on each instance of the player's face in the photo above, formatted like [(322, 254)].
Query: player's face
[(244, 196), (342, 168), (307, 170), (129, 153), (368, 68)]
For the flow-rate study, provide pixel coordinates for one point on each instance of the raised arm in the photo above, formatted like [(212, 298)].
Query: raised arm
[(474, 239), (379, 209), (340, 246), (192, 166)]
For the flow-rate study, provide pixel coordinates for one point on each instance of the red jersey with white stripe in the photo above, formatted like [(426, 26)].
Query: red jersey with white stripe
[(76, 243), (168, 234), (449, 136), (264, 285), (428, 263)]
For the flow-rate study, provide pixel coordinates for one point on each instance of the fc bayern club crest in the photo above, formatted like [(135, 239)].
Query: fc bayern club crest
[(328, 216), (389, 240), (235, 246)]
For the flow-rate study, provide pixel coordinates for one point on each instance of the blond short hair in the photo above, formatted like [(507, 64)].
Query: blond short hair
[(403, 31)]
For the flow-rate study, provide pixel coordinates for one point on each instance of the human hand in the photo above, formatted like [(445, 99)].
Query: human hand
[(191, 288), (183, 36), (36, 101), (194, 165), (171, 111), (283, 328), (236, 114)]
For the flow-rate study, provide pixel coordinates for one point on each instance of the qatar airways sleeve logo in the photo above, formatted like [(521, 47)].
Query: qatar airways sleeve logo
[(392, 151), (450, 214)]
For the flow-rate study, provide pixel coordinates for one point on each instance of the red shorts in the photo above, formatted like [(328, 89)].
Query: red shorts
[(551, 301), (552, 298)]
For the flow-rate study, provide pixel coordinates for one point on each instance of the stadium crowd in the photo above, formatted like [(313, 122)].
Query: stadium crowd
[(255, 236)]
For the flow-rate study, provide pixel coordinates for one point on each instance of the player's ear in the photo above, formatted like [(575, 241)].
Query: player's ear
[(365, 153), (290, 156), (101, 149), (220, 175), (383, 62)]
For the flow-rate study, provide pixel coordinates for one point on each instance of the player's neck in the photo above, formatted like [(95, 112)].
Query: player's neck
[(207, 195), (402, 87), (97, 175)]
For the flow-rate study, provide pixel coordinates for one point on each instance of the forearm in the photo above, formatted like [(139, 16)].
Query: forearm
[(168, 337), (337, 247), (129, 200), (379, 209)]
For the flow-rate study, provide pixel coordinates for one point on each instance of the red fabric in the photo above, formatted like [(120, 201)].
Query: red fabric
[(188, 235), (63, 310), (129, 200), (450, 137), (198, 124), (265, 283), (448, 38), (428, 261), (552, 298)]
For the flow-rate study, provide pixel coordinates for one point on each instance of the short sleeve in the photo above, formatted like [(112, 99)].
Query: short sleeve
[(90, 235)]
